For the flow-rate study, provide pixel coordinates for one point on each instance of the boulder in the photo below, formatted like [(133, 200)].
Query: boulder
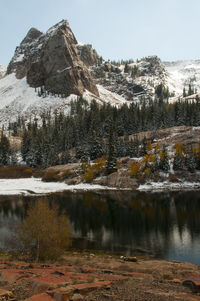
[(121, 180)]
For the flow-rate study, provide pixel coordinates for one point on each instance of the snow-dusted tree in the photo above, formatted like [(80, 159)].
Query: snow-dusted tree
[(4, 150), (111, 163)]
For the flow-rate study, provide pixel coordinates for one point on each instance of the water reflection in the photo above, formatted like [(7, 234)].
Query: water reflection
[(166, 225)]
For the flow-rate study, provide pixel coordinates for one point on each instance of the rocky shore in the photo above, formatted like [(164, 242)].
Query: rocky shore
[(93, 277)]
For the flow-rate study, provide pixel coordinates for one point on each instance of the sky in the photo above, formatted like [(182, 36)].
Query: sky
[(117, 29)]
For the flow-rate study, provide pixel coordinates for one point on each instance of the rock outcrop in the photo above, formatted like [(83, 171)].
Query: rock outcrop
[(87, 54), (54, 61)]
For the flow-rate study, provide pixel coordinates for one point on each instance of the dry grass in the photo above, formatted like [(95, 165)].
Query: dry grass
[(18, 171), (51, 175)]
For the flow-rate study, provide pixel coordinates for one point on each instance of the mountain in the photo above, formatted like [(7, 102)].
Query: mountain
[(183, 73), (2, 71), (49, 70)]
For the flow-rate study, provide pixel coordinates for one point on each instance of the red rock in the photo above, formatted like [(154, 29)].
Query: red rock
[(193, 282), (38, 287), (40, 297), (177, 281), (62, 294), (89, 287)]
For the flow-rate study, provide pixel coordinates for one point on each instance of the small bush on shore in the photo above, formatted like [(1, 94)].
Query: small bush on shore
[(45, 233), (51, 176)]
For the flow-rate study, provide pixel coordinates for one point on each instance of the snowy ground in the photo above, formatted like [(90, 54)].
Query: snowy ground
[(32, 186), (161, 186), (183, 73), (18, 98)]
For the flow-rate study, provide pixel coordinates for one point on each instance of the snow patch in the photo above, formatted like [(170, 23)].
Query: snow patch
[(159, 186), (19, 58), (36, 186)]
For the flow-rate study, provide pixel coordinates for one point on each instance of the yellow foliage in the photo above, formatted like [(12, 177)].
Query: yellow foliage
[(135, 169), (147, 171), (118, 164), (162, 156), (149, 145), (179, 149), (44, 231), (196, 150), (157, 148), (88, 175), (99, 164), (149, 158), (85, 166)]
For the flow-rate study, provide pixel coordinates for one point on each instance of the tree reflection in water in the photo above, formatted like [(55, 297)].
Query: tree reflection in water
[(166, 225)]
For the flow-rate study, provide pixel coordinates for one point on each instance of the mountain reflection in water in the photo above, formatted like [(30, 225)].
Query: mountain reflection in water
[(165, 225)]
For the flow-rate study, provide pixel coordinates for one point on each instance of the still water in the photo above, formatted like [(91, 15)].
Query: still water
[(162, 225)]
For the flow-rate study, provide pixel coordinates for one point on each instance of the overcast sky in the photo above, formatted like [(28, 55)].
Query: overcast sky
[(117, 29)]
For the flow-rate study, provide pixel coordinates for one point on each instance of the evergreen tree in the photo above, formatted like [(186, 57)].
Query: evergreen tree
[(164, 160), (4, 150), (111, 163)]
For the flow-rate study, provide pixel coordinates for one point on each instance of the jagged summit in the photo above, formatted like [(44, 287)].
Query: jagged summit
[(51, 60), (32, 35)]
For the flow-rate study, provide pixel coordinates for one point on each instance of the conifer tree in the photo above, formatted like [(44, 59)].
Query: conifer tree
[(4, 150), (111, 163)]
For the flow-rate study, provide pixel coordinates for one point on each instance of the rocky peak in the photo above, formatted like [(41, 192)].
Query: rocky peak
[(32, 35), (52, 60), (87, 54), (151, 65)]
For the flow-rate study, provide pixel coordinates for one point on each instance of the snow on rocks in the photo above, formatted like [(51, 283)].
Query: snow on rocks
[(160, 186), (182, 73), (2, 70)]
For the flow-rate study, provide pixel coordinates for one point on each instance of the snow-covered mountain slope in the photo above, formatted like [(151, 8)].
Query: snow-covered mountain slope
[(17, 98), (181, 74), (2, 70)]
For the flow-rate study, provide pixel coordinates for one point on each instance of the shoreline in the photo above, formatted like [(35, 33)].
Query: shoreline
[(35, 186)]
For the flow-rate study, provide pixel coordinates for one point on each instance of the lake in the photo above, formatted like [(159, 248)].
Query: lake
[(163, 225)]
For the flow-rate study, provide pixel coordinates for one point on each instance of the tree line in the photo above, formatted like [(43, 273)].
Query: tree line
[(91, 131)]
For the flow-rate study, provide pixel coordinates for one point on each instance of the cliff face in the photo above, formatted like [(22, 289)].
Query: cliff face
[(54, 60)]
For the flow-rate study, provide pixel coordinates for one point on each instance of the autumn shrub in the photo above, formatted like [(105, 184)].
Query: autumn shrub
[(67, 174), (134, 169), (51, 176), (44, 233), (88, 175), (16, 171), (84, 166), (99, 166), (147, 172)]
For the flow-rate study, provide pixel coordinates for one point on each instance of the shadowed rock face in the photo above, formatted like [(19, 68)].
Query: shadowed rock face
[(53, 60)]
